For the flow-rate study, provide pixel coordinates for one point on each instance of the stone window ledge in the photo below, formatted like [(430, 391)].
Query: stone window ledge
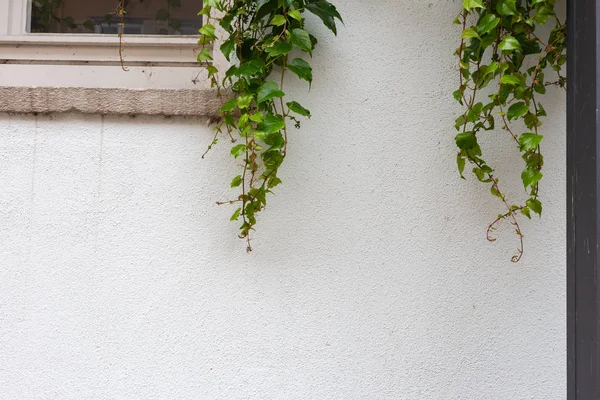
[(165, 102)]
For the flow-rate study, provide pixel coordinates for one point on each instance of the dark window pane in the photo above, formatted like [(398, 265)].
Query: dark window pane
[(141, 17)]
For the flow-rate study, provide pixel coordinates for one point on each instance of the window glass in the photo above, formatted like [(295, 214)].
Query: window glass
[(140, 17)]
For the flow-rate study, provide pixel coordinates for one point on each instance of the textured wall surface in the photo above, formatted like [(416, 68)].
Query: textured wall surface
[(371, 277), (165, 102)]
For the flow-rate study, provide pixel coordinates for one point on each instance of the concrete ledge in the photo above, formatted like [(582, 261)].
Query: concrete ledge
[(185, 102)]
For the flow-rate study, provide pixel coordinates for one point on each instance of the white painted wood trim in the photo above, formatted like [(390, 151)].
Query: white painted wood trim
[(93, 39), (98, 50), (4, 10), (17, 16)]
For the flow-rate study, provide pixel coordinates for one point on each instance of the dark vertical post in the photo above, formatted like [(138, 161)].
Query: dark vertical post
[(583, 163)]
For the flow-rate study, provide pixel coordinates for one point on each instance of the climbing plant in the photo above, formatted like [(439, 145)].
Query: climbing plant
[(263, 40), (503, 66)]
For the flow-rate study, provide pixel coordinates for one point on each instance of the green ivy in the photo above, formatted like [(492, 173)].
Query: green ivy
[(263, 40), (503, 64)]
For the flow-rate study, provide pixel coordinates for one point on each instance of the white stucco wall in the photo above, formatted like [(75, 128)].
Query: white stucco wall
[(371, 277)]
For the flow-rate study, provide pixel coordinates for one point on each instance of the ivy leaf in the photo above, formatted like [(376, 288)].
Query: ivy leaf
[(267, 91), (244, 101), (460, 121), (275, 140), (327, 12), (302, 69), (236, 215), (535, 205), (531, 120), (272, 159), (530, 141), (278, 20), (530, 177), (251, 67), (295, 14), (227, 47), (470, 4), (461, 162), (238, 150), (458, 96), (469, 33), (494, 191), (260, 135), (466, 141), (204, 55), (231, 71), (510, 80), (229, 120), (212, 70), (259, 194), (298, 109), (509, 43), (264, 8), (243, 121), (260, 3), (212, 3), (279, 48), (272, 124), (226, 21), (208, 30), (505, 91), (273, 181), (541, 111), (516, 110), (229, 105), (301, 38), (533, 160), (541, 89), (237, 181), (480, 174), (487, 23), (492, 68), (256, 117), (507, 7), (543, 13)]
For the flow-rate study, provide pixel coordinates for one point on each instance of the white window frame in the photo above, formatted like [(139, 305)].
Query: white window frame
[(92, 61), (19, 46)]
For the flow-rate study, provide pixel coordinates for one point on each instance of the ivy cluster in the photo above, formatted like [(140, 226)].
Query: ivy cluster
[(263, 40), (503, 64)]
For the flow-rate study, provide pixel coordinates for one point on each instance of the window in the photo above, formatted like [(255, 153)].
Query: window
[(76, 44), (143, 17)]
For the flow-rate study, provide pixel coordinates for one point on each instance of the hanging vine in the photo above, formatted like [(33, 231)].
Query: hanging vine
[(262, 41), (503, 63)]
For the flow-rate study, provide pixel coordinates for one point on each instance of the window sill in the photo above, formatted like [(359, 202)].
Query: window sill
[(92, 49), (167, 102), (56, 73)]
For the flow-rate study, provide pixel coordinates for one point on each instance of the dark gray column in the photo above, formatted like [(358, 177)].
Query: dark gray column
[(583, 162)]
